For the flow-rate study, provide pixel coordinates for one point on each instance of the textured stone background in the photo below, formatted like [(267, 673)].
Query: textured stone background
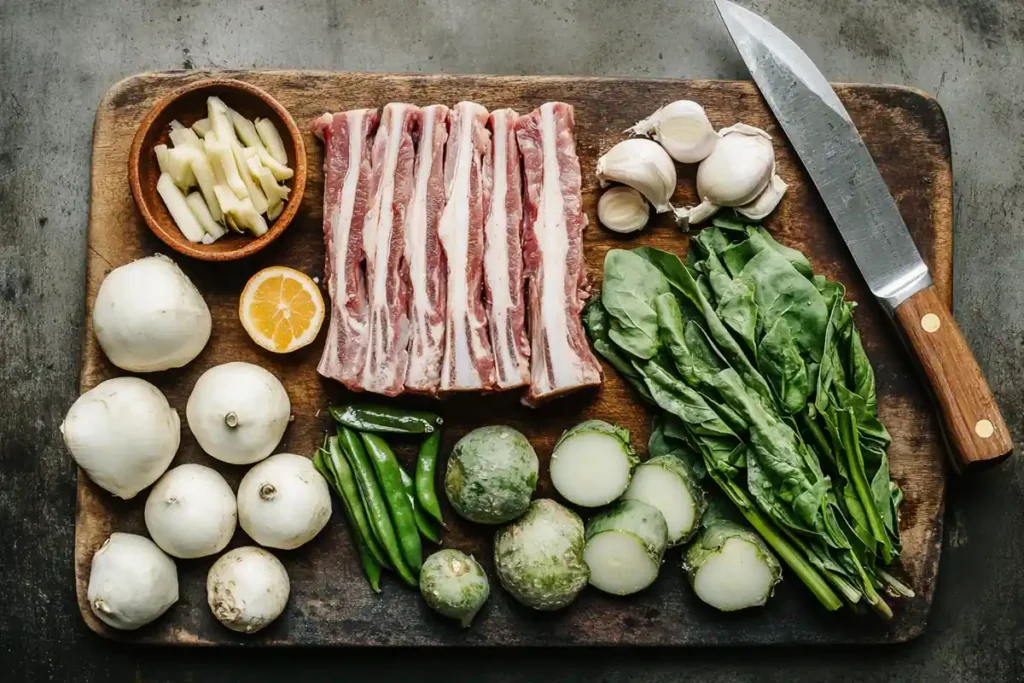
[(58, 58)]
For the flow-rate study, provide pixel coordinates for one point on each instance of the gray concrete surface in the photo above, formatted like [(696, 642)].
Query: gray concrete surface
[(58, 57)]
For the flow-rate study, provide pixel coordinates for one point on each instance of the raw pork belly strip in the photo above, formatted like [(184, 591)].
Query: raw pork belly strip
[(424, 256), (468, 364), (391, 188), (503, 257), (560, 359), (347, 139)]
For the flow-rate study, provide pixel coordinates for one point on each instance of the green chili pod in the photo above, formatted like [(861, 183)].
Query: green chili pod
[(424, 523), (426, 466), (389, 475), (367, 417), (371, 567), (376, 505)]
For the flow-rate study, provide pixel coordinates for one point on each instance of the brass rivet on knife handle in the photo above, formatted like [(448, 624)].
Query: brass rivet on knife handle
[(975, 430)]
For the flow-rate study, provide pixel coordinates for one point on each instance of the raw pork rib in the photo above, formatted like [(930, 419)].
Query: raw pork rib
[(560, 359), (503, 257), (391, 187), (468, 364), (423, 254), (347, 138)]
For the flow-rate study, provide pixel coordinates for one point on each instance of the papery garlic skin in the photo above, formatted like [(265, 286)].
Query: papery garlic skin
[(766, 201)]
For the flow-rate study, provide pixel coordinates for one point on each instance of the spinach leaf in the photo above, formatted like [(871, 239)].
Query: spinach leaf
[(630, 285), (778, 474), (738, 310), (596, 322), (780, 361), (795, 258), (722, 448), (734, 299), (782, 293), (658, 443), (682, 280)]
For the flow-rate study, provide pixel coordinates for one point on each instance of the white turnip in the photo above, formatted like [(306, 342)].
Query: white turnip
[(123, 433), (247, 588), (148, 316), (283, 502), (191, 512), (132, 582), (238, 412)]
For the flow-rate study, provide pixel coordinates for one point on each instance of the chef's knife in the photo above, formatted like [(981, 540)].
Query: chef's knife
[(831, 149)]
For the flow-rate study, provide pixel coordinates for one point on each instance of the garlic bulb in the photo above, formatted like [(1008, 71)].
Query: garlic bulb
[(123, 433), (683, 130), (645, 166), (622, 209), (238, 412), (148, 316), (766, 201), (739, 167)]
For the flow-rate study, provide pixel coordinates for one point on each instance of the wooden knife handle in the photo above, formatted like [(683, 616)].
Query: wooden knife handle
[(976, 433)]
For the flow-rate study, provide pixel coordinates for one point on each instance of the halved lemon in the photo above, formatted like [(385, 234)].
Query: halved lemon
[(281, 309)]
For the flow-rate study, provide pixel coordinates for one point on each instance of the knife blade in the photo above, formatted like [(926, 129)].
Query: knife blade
[(825, 138)]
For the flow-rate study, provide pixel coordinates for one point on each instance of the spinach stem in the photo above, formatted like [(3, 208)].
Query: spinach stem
[(855, 465)]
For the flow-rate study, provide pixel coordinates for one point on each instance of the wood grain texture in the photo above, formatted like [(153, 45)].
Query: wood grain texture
[(330, 601), (973, 424)]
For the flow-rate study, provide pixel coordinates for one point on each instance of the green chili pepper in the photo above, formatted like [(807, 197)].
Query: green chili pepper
[(389, 475), (376, 505), (426, 465), (423, 523), (371, 567), (367, 417), (349, 493)]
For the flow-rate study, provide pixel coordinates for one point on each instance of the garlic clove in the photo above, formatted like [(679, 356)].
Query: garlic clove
[(682, 128), (643, 165), (695, 214), (623, 209), (738, 168), (766, 201)]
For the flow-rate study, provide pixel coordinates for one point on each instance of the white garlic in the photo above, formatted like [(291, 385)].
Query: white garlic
[(738, 169), (645, 166), (766, 201), (622, 209), (683, 130), (695, 214)]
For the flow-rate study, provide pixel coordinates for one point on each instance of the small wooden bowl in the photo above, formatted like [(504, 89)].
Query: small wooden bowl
[(188, 105)]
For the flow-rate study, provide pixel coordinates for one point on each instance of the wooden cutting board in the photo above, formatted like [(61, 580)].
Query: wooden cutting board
[(331, 603)]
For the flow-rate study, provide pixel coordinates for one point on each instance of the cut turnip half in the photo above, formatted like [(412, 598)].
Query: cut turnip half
[(592, 463), (625, 546), (731, 568), (666, 483)]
